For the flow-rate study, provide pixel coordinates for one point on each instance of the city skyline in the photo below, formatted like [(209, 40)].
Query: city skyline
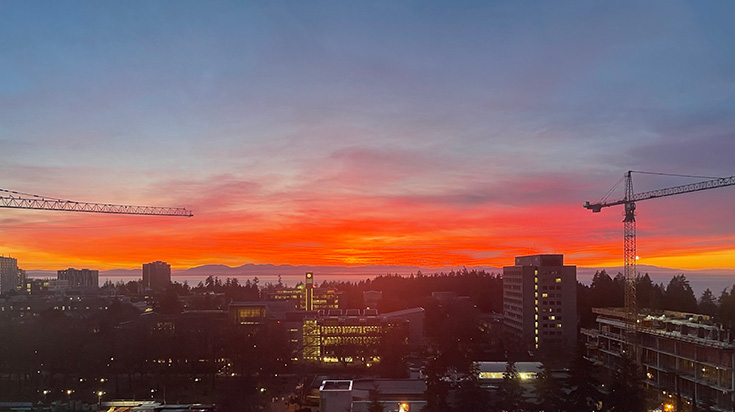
[(365, 134)]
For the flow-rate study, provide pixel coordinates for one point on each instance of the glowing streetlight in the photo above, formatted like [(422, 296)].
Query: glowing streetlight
[(99, 399)]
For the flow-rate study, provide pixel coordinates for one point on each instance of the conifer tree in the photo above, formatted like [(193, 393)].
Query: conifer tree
[(549, 391), (511, 391), (584, 394), (627, 393)]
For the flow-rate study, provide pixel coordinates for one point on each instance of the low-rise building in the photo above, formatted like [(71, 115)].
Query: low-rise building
[(395, 395)]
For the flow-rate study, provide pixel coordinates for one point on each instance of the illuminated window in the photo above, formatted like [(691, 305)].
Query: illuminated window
[(558, 280)]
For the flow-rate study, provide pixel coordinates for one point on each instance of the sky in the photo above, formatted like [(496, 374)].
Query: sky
[(354, 133)]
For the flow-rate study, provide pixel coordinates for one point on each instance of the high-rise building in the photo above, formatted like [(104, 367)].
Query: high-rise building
[(80, 278), (156, 275), (8, 274), (540, 303)]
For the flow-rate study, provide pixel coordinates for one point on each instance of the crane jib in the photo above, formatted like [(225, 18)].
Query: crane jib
[(40, 203)]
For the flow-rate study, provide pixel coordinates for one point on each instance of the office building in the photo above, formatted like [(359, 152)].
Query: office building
[(540, 303), (156, 275), (8, 274), (681, 354), (306, 296), (349, 337), (80, 278)]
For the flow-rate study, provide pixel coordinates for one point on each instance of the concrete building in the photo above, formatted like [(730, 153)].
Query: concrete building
[(415, 318), (540, 303), (8, 274), (680, 353), (372, 298), (335, 396), (80, 278), (156, 275), (307, 296), (350, 337), (258, 312)]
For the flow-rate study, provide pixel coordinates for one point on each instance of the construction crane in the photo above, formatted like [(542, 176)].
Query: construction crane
[(629, 236), (18, 200)]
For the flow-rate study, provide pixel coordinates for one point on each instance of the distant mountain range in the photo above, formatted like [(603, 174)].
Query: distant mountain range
[(251, 270)]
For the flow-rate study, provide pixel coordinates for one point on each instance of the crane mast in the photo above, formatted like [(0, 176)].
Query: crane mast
[(629, 235), (19, 200), (629, 258)]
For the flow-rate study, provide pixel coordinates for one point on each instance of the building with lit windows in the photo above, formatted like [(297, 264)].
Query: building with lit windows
[(681, 354), (80, 278), (248, 313), (491, 373), (540, 303), (8, 274), (156, 275), (352, 336), (307, 297), (258, 312)]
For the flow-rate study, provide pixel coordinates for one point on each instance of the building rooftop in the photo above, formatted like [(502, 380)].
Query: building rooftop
[(690, 327), (405, 312), (521, 367), (391, 387), (336, 385)]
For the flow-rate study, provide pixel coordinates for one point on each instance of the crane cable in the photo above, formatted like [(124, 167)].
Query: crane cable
[(38, 196), (609, 192), (676, 175)]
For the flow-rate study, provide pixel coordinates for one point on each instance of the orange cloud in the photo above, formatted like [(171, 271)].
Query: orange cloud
[(239, 222)]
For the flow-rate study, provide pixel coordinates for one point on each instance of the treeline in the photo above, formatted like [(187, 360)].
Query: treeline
[(484, 289), (677, 295)]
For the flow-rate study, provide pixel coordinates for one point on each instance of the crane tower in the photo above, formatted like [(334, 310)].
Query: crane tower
[(629, 231)]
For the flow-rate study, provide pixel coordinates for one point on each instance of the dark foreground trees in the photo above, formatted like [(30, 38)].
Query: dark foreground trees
[(584, 387), (626, 392)]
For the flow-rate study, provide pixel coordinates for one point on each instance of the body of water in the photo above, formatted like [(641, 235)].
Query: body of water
[(699, 281)]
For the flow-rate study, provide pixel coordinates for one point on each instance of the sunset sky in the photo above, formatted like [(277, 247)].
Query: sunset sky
[(365, 132)]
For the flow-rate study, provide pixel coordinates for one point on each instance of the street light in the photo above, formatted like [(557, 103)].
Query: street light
[(99, 399)]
